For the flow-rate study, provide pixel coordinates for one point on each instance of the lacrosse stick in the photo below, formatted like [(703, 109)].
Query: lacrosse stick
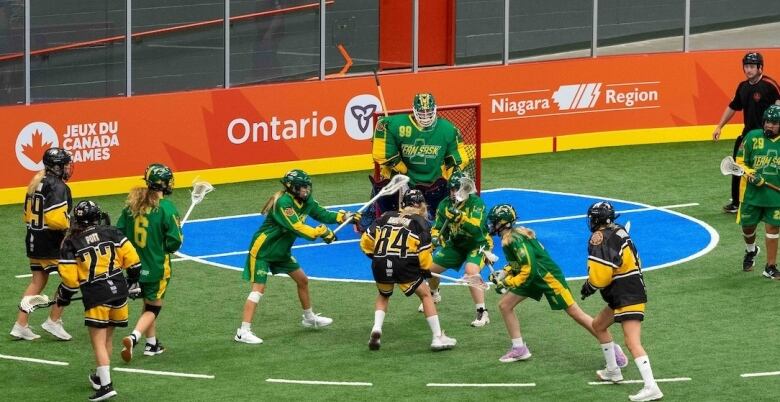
[(199, 191), (627, 226), (396, 183), (467, 187), (474, 281), (381, 95), (34, 302), (490, 258), (729, 167)]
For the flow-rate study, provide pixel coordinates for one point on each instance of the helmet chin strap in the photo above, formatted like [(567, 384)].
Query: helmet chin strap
[(770, 134)]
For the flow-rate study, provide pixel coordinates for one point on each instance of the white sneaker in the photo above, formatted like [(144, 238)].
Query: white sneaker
[(316, 321), (55, 328), (20, 332), (443, 342), (436, 299), (610, 375), (247, 336), (482, 318), (647, 394)]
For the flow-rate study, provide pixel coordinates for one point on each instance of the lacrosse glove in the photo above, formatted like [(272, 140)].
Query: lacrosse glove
[(343, 216), (757, 179), (587, 290), (64, 295), (454, 215), (327, 235)]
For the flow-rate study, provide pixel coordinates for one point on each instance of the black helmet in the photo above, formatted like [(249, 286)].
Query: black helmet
[(753, 58), (413, 197), (55, 159), (599, 214), (87, 213)]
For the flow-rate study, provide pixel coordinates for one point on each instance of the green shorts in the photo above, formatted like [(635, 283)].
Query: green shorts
[(450, 257), (552, 286), (751, 215), (256, 270), (154, 290)]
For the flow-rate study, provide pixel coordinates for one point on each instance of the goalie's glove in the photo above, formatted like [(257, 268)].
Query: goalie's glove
[(64, 295), (587, 290), (454, 215), (757, 179), (327, 235)]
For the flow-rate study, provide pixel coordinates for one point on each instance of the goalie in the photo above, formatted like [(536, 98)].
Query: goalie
[(420, 145), (399, 245), (93, 256)]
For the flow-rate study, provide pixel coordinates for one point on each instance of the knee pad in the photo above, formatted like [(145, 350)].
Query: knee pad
[(254, 297), (751, 234), (772, 235), (153, 309)]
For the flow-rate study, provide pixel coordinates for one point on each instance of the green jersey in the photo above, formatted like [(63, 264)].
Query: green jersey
[(155, 234), (763, 155), (528, 261), (471, 231), (284, 223), (402, 145)]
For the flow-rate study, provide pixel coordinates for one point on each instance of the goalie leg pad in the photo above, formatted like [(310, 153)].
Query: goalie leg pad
[(153, 309), (254, 297)]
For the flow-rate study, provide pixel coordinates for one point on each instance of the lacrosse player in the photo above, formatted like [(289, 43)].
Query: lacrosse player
[(420, 145), (399, 245), (46, 207), (92, 259), (270, 249), (614, 268), (461, 231), (151, 222), (758, 156), (532, 273)]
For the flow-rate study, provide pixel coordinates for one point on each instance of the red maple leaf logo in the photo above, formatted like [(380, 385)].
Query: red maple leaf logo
[(36, 147)]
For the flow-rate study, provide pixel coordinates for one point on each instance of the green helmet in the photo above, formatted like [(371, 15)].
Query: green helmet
[(296, 180), (500, 217), (456, 178), (772, 114), (159, 177), (424, 109)]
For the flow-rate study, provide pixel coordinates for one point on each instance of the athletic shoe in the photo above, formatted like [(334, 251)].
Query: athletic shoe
[(647, 394), (374, 342), (516, 354), (55, 328), (94, 381), (128, 343), (610, 375), (316, 321), (750, 259), (620, 357), (771, 272), (26, 333), (482, 318), (443, 342), (731, 208), (105, 392), (154, 350), (247, 336), (436, 299)]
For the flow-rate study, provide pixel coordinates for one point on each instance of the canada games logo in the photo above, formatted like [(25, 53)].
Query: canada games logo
[(359, 116), (32, 141)]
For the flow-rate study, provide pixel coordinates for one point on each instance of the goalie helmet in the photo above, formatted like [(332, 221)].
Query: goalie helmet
[(159, 177), (600, 214), (87, 213), (57, 161), (753, 58), (297, 183), (424, 109), (500, 217)]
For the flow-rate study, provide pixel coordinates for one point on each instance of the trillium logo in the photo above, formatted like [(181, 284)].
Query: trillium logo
[(359, 116), (32, 141)]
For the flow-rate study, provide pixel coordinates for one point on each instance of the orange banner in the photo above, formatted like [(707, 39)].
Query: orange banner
[(119, 137)]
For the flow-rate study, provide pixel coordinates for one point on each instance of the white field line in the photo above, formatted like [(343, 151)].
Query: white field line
[(30, 275), (560, 218), (31, 360), (677, 379), (312, 382), (766, 374), (433, 384), (167, 373)]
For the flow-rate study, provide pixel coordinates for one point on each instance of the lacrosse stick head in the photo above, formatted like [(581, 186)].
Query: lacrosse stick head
[(729, 167), (460, 186), (475, 281), (398, 183), (33, 302), (199, 191)]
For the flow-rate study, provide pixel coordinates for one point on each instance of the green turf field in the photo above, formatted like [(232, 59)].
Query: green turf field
[(707, 320)]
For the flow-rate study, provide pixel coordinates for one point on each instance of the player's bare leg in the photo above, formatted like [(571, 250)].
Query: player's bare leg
[(518, 350), (380, 309), (632, 330), (101, 340), (251, 306), (614, 357), (21, 329), (575, 312), (310, 320), (244, 334), (433, 285), (478, 296)]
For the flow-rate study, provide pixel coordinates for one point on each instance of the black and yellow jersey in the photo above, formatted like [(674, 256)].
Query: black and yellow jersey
[(615, 268), (93, 260), (46, 216), (399, 243)]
